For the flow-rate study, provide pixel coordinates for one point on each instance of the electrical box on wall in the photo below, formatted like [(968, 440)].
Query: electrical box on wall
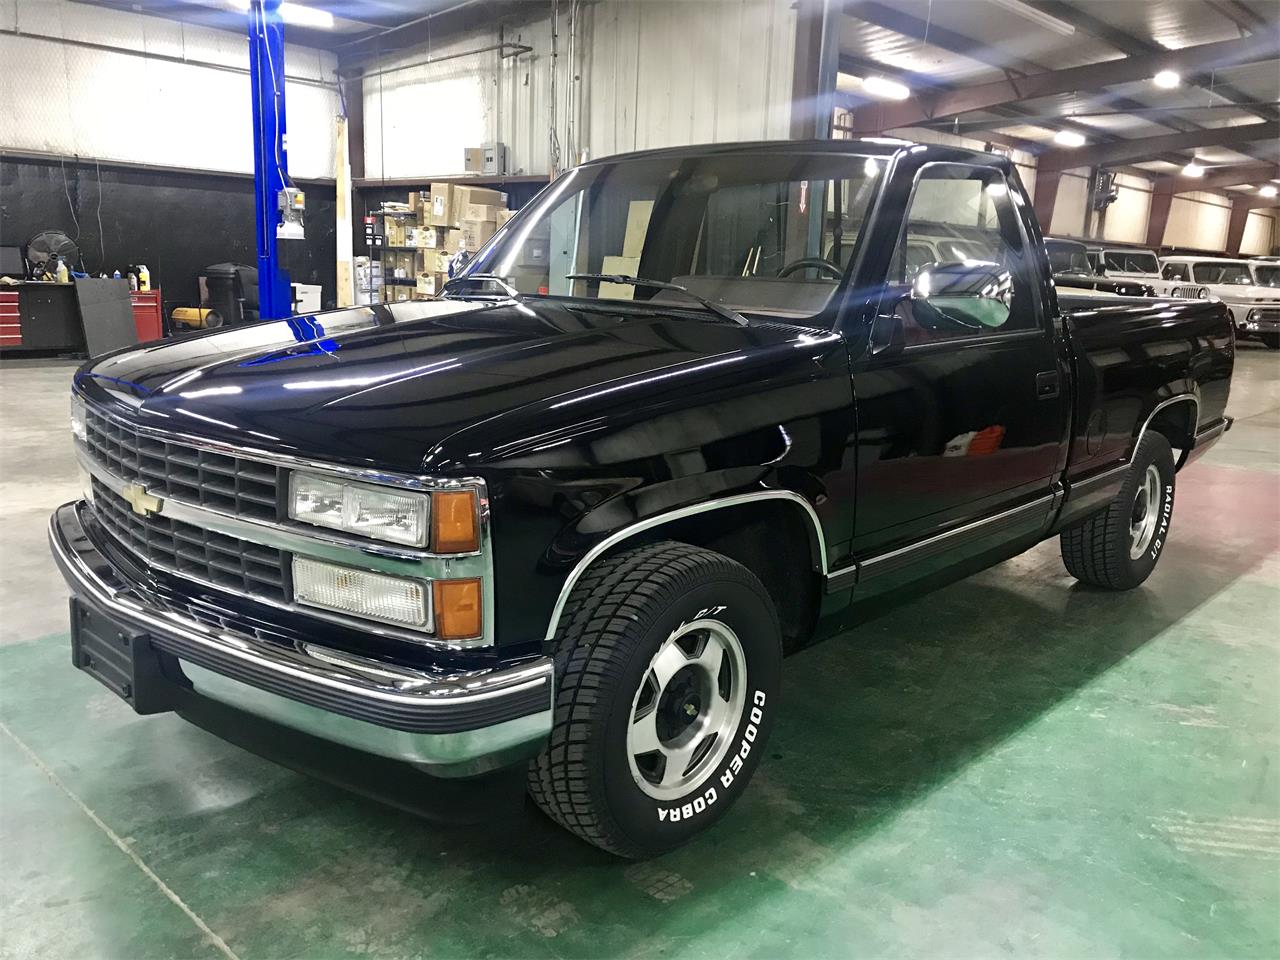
[(494, 157)]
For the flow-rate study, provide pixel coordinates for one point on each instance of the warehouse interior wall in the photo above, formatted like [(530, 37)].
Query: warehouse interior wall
[(129, 104), (1259, 233), (627, 76), (1126, 218), (1199, 221), (81, 116), (176, 222)]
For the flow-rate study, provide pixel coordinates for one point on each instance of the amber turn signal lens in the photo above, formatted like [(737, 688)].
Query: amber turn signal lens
[(457, 609), (454, 528)]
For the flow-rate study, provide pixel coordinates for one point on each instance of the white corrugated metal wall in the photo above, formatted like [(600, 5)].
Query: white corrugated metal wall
[(651, 74), (63, 99)]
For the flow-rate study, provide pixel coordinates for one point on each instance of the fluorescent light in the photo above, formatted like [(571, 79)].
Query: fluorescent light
[(1193, 169), (296, 14), (885, 88), (1068, 138), (1268, 191), (300, 16), (1166, 79), (1039, 17)]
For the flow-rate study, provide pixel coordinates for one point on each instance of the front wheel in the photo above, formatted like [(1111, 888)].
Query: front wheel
[(669, 659), (1119, 546), (1272, 340)]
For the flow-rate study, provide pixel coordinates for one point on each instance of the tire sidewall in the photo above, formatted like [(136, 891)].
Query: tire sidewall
[(661, 824), (1154, 450)]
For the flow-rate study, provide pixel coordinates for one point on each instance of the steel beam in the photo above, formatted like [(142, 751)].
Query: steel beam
[(1240, 210), (1145, 148), (270, 162), (1096, 76)]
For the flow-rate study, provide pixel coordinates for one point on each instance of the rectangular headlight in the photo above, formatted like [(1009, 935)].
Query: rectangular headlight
[(384, 513), (361, 593), (78, 428)]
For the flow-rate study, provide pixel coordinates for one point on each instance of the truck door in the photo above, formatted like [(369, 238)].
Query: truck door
[(962, 413)]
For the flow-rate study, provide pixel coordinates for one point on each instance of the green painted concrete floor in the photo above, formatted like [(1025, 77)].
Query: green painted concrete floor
[(1012, 766)]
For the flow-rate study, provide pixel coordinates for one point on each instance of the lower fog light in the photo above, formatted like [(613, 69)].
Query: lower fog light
[(361, 593)]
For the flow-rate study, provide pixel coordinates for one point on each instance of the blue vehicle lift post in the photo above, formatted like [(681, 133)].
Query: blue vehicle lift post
[(270, 157)]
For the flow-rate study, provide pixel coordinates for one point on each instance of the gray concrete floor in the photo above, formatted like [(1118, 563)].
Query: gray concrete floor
[(1013, 765)]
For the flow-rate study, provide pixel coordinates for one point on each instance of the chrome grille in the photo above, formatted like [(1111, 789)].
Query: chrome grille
[(234, 485), (178, 547)]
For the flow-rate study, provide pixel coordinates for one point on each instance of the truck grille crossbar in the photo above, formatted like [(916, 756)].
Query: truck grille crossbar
[(191, 551), (234, 485)]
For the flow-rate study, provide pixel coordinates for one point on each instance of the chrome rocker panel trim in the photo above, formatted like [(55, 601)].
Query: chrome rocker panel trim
[(454, 725)]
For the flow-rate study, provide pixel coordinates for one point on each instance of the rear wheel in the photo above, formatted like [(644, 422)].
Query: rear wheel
[(670, 664), (1119, 546)]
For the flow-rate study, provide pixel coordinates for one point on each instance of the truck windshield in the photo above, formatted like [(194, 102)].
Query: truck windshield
[(1068, 257), (1267, 274), (768, 233), (1130, 261), (1223, 273)]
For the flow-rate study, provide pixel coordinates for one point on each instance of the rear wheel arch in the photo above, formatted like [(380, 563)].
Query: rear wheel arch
[(1176, 418)]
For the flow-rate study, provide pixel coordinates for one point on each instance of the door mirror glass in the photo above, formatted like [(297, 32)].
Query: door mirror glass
[(956, 296)]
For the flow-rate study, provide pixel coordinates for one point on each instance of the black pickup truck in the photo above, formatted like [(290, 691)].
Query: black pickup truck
[(681, 416)]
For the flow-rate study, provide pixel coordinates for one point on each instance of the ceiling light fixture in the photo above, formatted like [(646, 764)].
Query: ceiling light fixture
[(1166, 79), (885, 88), (296, 14), (1268, 191), (1039, 17), (1068, 138), (1193, 169)]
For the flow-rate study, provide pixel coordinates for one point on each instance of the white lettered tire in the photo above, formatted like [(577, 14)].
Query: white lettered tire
[(1118, 547), (669, 663)]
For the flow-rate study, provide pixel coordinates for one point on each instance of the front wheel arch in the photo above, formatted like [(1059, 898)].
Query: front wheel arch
[(687, 524)]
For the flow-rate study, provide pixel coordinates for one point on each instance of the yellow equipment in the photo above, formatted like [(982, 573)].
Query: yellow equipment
[(197, 317)]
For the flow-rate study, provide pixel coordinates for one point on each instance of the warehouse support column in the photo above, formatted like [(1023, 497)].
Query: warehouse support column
[(270, 158), (1240, 210), (1161, 202), (1046, 197), (813, 83)]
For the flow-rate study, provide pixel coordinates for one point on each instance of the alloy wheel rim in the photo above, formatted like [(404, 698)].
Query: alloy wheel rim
[(686, 709), (1146, 513)]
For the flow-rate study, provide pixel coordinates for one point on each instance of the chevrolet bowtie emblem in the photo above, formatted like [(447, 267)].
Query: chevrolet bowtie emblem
[(143, 503)]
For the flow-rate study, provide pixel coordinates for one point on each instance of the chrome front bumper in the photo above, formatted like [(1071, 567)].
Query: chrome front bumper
[(457, 723)]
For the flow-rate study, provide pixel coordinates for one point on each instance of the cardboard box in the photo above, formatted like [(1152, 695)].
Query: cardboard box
[(403, 292), (618, 291), (430, 284), (442, 205), (492, 198), (505, 215), (448, 202), (473, 234), (473, 159), (480, 211), (638, 214)]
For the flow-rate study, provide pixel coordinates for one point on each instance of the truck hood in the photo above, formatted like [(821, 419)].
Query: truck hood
[(1245, 293), (387, 386)]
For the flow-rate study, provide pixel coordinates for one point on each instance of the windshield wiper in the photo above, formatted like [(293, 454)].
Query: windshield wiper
[(507, 288), (716, 308)]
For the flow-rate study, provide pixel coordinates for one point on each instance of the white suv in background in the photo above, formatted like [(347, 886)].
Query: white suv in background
[(1255, 309), (1127, 263)]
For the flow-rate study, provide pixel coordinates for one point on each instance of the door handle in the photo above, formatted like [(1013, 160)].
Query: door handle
[(1047, 385)]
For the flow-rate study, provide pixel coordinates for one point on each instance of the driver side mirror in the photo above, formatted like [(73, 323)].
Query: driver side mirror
[(955, 296)]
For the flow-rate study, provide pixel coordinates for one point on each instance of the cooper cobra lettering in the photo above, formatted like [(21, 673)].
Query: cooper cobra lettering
[(702, 803)]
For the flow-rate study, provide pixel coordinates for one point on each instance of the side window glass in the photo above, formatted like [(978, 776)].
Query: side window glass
[(962, 259)]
